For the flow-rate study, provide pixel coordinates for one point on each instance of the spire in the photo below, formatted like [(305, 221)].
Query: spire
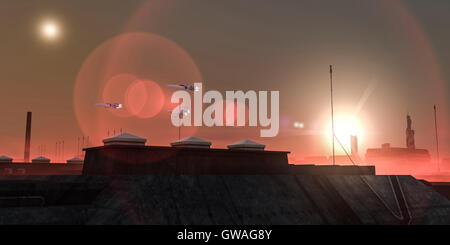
[(410, 144)]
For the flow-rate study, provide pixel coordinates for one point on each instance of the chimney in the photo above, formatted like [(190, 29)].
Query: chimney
[(27, 138)]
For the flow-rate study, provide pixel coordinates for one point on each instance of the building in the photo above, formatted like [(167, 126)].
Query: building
[(386, 152), (128, 154), (399, 160), (410, 143), (352, 159)]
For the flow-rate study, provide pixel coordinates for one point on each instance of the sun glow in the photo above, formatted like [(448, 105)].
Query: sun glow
[(344, 127)]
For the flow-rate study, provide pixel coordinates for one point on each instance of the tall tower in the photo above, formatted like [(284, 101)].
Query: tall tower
[(354, 145), (410, 144), (26, 157)]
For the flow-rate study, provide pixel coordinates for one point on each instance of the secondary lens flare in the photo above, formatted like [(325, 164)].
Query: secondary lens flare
[(132, 69)]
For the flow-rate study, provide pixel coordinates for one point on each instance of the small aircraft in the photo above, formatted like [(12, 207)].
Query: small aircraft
[(185, 87), (110, 105)]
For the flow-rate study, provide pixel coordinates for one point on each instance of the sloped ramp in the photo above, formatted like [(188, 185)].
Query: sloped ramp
[(210, 200)]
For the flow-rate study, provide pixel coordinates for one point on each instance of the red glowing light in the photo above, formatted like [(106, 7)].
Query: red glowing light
[(144, 99)]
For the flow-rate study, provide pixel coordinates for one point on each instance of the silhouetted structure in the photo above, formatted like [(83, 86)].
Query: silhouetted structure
[(352, 159), (386, 152), (410, 144), (128, 154), (26, 156), (400, 160)]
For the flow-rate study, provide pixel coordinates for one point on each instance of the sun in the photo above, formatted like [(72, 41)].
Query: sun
[(344, 127), (50, 30)]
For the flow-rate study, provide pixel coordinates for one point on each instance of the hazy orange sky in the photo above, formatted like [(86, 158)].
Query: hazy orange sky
[(390, 58)]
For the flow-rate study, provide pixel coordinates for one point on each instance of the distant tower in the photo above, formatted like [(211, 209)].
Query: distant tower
[(409, 134), (354, 145), (26, 157)]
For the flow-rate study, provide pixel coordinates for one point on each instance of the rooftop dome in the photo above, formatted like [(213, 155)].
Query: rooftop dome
[(41, 159), (191, 142), (75, 160), (246, 145), (124, 139), (5, 159)]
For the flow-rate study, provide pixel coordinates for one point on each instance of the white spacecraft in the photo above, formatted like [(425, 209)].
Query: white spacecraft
[(110, 105)]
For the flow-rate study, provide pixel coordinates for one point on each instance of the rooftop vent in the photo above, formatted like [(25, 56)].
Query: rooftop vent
[(191, 142), (247, 145), (124, 139), (5, 159), (75, 160), (40, 159)]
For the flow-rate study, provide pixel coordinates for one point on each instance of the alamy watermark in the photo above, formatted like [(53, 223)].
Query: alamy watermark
[(213, 114)]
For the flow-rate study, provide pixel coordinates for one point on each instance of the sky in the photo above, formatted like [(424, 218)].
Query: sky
[(390, 58)]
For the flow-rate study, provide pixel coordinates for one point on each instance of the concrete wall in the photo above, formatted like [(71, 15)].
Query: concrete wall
[(114, 160), (109, 160), (40, 169)]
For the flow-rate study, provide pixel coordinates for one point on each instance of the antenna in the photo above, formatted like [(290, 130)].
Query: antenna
[(437, 140), (332, 112)]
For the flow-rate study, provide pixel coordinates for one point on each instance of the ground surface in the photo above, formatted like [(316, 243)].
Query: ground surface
[(203, 199)]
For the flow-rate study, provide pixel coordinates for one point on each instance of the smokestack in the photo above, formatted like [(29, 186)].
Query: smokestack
[(26, 156)]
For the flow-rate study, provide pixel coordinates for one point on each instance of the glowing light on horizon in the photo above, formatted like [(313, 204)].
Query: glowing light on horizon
[(344, 127)]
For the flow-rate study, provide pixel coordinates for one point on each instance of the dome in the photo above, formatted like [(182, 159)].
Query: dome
[(75, 160), (124, 139), (191, 142), (246, 145), (40, 159), (5, 159)]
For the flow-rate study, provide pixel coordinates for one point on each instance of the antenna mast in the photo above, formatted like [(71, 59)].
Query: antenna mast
[(437, 140), (332, 111)]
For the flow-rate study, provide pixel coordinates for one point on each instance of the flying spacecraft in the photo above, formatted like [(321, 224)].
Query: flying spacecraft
[(185, 87), (110, 105)]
